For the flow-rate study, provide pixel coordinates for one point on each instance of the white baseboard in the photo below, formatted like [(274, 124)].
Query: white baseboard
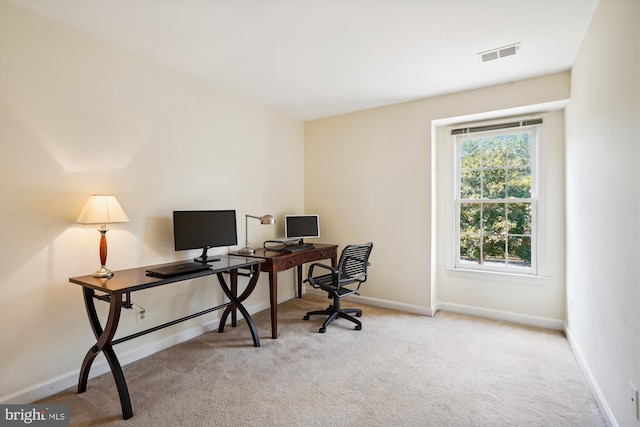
[(523, 319), (100, 365), (602, 402), (409, 308)]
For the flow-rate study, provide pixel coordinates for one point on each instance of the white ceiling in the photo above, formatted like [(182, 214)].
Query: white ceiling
[(318, 58)]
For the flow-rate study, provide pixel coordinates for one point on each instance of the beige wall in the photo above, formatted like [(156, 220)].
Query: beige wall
[(367, 175), (375, 167), (80, 117), (603, 205)]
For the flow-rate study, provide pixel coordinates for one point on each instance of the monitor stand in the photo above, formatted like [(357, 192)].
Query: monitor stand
[(281, 244), (204, 258), (298, 241)]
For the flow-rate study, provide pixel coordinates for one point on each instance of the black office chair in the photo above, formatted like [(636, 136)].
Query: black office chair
[(351, 270)]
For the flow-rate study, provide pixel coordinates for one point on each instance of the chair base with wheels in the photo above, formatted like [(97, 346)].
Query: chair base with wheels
[(334, 311), (351, 270)]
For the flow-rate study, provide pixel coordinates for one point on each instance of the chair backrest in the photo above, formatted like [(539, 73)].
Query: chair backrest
[(354, 261)]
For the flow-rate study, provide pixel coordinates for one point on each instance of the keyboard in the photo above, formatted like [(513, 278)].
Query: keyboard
[(297, 248)]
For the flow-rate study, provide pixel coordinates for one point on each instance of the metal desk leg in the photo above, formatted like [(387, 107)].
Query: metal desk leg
[(103, 344), (237, 303), (234, 290)]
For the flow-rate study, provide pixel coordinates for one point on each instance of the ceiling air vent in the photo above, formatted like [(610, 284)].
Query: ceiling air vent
[(501, 52)]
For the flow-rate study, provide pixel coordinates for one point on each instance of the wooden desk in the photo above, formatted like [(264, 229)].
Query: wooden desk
[(117, 292), (274, 262)]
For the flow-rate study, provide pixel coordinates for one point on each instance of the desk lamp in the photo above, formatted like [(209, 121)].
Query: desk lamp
[(102, 210), (265, 219)]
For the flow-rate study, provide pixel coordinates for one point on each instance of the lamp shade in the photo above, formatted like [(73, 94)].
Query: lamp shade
[(102, 210), (267, 219)]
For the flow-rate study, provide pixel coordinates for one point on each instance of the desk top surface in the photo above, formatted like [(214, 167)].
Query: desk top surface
[(261, 253), (135, 279)]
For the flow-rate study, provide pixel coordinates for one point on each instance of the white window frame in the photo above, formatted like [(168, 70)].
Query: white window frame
[(533, 199)]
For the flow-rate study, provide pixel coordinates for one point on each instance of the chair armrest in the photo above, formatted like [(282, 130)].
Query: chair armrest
[(335, 272)]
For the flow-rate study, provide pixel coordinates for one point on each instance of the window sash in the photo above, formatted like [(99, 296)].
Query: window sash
[(511, 263), (508, 262)]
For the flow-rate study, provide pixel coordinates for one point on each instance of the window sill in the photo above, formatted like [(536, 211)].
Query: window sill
[(497, 276)]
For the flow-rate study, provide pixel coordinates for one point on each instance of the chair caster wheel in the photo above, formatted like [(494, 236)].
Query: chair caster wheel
[(358, 314), (306, 317), (358, 328), (322, 330)]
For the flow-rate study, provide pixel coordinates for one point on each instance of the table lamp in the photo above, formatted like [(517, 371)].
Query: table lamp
[(102, 210), (265, 219)]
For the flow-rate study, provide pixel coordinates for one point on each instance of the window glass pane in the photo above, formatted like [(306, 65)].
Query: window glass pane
[(519, 149), (470, 153), (519, 215), (470, 218), (494, 151), (470, 184), (494, 184), (519, 183), (520, 251), (494, 251), (470, 248), (493, 218)]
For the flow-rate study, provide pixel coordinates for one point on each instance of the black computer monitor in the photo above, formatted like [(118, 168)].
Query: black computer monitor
[(301, 226), (204, 230)]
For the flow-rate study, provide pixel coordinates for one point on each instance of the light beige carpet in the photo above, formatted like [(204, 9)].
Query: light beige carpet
[(399, 370)]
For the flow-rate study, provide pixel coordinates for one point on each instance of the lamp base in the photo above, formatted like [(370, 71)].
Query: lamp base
[(246, 251), (103, 272)]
